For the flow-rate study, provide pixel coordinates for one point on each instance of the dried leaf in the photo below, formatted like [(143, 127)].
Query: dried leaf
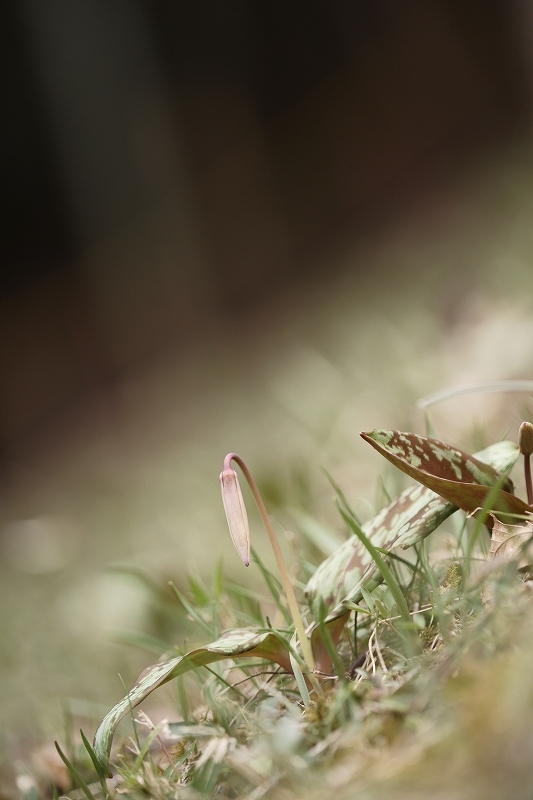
[(408, 519), (237, 643), (507, 542)]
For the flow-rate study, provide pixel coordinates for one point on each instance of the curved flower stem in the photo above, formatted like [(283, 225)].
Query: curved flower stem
[(285, 579)]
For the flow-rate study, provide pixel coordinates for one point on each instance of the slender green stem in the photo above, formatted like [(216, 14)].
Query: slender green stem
[(283, 571)]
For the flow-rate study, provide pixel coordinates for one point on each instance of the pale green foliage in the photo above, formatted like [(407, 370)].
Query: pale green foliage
[(389, 633)]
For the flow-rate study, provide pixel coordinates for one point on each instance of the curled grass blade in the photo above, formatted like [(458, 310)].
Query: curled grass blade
[(472, 388)]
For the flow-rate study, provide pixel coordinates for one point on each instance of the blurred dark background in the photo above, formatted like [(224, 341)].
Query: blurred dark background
[(165, 164), (234, 226)]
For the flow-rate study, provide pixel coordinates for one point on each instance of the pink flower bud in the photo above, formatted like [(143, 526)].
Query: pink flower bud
[(236, 513)]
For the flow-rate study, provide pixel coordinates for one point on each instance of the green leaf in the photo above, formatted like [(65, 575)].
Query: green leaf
[(191, 610), (96, 764), (75, 774), (457, 477), (299, 676), (383, 567), (408, 519), (234, 644), (369, 600), (190, 729)]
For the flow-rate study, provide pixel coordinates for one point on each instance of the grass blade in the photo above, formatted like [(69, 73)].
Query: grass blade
[(472, 388), (96, 764), (76, 777), (274, 587), (190, 609), (388, 577)]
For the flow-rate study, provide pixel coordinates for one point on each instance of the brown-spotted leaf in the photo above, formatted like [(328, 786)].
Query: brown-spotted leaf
[(334, 579), (408, 519), (501, 456), (457, 477), (415, 455), (234, 644)]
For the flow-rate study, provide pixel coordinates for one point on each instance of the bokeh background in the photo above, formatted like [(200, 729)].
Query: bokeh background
[(249, 226)]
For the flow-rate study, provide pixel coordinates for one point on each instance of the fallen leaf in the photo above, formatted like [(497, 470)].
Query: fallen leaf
[(507, 542)]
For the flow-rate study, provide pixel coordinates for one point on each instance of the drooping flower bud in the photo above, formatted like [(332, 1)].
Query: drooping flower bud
[(525, 438), (236, 513)]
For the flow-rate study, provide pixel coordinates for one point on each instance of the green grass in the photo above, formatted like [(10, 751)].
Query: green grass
[(430, 688), (253, 733)]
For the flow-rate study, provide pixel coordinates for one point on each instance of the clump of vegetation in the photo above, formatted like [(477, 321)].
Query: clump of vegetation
[(359, 681)]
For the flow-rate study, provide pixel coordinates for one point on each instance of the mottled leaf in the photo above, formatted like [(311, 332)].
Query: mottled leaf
[(418, 455), (408, 519), (459, 478), (235, 644)]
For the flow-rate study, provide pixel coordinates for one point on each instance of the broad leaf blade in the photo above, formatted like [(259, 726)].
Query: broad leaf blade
[(457, 477), (418, 455), (234, 644), (501, 456), (408, 519)]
